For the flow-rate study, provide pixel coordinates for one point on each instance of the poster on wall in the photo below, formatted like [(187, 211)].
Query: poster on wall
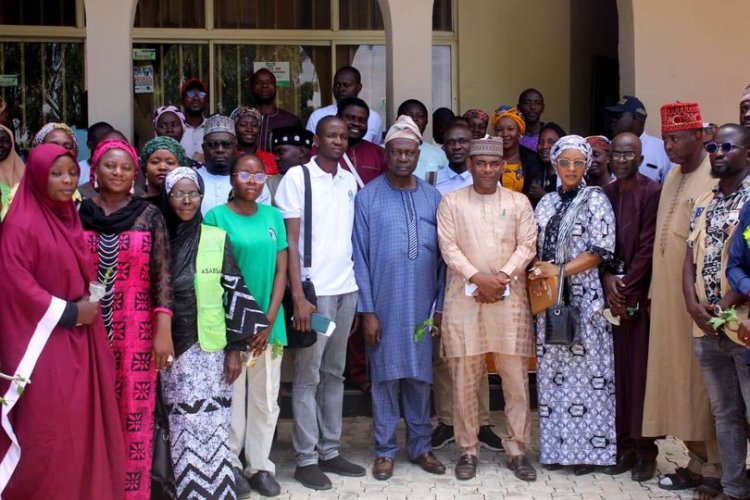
[(144, 54), (143, 79), (280, 70), (8, 80)]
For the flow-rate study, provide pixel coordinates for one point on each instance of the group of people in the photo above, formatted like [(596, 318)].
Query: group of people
[(141, 285)]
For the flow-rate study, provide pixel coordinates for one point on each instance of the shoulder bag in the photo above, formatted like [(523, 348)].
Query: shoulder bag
[(296, 338)]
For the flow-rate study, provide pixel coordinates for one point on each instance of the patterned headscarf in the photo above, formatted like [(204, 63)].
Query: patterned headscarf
[(599, 142), (162, 143), (102, 148), (570, 142), (244, 111), (177, 175), (512, 113), (49, 127), (476, 113), (168, 109)]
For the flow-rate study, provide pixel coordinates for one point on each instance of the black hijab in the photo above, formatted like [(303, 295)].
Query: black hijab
[(94, 218)]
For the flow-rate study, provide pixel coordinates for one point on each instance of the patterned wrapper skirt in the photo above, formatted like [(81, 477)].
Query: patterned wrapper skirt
[(199, 405)]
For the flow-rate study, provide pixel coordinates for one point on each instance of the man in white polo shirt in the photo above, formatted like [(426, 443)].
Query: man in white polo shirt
[(318, 388)]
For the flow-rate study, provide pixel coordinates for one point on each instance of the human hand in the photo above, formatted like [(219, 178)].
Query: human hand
[(258, 342), (701, 315), (612, 286), (437, 323), (163, 350), (302, 311), (232, 366), (371, 329), (87, 311)]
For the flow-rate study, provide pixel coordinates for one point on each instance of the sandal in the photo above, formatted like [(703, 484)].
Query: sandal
[(522, 468), (681, 479), (710, 487)]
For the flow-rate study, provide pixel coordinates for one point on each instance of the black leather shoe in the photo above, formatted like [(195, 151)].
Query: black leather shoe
[(264, 483), (624, 464), (242, 486), (312, 477), (466, 468), (442, 435), (583, 469), (643, 470)]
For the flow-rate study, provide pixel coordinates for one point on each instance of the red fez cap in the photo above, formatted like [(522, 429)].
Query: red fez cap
[(678, 116)]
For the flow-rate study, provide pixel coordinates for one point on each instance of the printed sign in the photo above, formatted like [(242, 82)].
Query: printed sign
[(8, 80), (279, 69), (144, 54), (143, 79)]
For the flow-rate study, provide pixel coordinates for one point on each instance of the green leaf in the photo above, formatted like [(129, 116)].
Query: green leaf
[(746, 235), (421, 330), (716, 322), (277, 349)]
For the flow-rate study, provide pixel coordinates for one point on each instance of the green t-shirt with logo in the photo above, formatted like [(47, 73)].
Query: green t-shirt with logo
[(256, 240)]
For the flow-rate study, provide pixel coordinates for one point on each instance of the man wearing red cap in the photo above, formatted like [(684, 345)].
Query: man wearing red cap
[(194, 95), (676, 402)]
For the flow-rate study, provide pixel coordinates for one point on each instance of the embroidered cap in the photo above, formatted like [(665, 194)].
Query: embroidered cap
[(489, 146), (219, 123), (292, 136), (678, 116)]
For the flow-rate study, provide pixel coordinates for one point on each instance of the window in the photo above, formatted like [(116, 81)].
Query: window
[(281, 14), (46, 85), (365, 15), (38, 12), (170, 14)]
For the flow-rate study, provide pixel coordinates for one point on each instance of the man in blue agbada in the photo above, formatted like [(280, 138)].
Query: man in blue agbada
[(400, 276)]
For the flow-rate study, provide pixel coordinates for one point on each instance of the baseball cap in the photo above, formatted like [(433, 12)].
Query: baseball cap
[(629, 104), (193, 83)]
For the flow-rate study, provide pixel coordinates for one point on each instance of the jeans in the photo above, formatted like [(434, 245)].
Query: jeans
[(728, 387), (318, 388)]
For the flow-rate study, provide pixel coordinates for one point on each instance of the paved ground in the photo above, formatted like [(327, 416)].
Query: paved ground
[(493, 480)]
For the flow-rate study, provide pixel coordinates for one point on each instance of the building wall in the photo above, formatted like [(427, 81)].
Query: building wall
[(688, 50), (509, 45)]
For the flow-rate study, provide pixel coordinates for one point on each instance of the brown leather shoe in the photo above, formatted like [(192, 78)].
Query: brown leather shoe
[(522, 468), (466, 468), (429, 463), (382, 469)]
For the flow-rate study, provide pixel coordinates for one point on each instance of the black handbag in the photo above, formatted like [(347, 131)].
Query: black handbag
[(559, 319), (296, 338), (162, 469)]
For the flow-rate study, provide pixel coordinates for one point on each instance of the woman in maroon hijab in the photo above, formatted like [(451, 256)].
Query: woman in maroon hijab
[(62, 436)]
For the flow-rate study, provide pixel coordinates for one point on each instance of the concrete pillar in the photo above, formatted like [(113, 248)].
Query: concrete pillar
[(408, 34), (109, 62)]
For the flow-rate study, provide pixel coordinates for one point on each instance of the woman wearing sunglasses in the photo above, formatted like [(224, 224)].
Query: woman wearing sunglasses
[(214, 316), (576, 382), (258, 237)]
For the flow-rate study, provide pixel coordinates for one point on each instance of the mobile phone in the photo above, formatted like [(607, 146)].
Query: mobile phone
[(322, 324)]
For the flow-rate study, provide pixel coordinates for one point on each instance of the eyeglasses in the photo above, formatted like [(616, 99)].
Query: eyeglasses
[(628, 156), (195, 93), (713, 147), (192, 195), (243, 176), (217, 144), (565, 163)]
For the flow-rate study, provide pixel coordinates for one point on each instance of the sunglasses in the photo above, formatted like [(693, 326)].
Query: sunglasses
[(196, 93), (179, 195), (243, 176), (713, 147), (628, 156), (565, 163), (217, 144)]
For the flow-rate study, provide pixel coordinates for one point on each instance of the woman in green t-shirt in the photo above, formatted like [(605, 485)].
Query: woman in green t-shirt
[(258, 238)]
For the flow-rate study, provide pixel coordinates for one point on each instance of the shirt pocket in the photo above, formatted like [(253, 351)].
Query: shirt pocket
[(427, 230)]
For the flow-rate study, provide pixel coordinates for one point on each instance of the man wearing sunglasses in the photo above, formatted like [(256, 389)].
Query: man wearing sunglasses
[(676, 402), (219, 151), (194, 96), (720, 351)]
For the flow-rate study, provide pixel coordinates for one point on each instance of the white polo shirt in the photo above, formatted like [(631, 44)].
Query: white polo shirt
[(192, 140), (217, 189), (332, 270), (656, 164), (374, 122)]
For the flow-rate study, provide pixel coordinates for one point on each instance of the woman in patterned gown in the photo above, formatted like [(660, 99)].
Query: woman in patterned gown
[(576, 383), (197, 388), (129, 249)]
